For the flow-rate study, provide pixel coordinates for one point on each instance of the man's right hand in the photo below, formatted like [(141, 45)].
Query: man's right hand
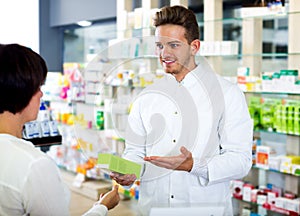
[(124, 180)]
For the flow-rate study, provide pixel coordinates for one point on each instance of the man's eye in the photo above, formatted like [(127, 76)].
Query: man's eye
[(159, 46), (174, 45)]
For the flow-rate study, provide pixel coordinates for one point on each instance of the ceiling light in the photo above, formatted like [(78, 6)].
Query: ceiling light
[(84, 23)]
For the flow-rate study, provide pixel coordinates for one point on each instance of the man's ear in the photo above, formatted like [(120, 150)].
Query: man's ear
[(195, 45)]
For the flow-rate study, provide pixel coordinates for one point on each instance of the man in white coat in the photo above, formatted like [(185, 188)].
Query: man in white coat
[(191, 129)]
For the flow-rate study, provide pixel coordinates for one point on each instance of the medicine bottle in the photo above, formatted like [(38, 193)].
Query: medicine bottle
[(43, 114)]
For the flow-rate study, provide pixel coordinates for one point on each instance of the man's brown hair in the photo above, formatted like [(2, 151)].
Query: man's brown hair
[(179, 15)]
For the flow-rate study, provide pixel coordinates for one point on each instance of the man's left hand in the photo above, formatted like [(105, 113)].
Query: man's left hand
[(183, 162)]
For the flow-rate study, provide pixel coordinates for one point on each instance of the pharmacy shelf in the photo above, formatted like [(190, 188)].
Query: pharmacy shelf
[(263, 55), (276, 133), (270, 208), (45, 142), (276, 171), (272, 93)]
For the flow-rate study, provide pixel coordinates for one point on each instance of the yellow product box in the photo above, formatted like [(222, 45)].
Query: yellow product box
[(287, 163), (118, 164), (291, 159)]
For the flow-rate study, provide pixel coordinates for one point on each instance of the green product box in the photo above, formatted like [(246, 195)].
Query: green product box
[(267, 114), (127, 193), (118, 164), (278, 118), (100, 120), (292, 116), (290, 119), (296, 120), (254, 110), (284, 111), (254, 113)]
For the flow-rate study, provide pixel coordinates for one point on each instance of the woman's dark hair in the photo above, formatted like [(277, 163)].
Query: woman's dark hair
[(22, 72), (179, 15)]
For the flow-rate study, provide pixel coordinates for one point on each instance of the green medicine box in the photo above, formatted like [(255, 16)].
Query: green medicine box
[(290, 119), (297, 120), (118, 164)]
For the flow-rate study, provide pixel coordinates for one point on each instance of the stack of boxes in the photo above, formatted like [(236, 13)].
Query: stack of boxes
[(266, 159), (283, 81), (270, 197), (274, 114)]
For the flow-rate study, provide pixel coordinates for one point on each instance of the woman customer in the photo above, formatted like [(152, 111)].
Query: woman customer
[(30, 183)]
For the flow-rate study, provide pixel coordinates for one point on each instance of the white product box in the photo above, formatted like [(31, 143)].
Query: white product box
[(293, 205), (237, 189), (280, 202), (274, 162), (271, 197), (261, 199), (254, 195), (229, 47), (247, 188)]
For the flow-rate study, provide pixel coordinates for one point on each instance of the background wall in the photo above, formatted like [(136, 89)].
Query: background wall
[(19, 22), (57, 15), (51, 39), (71, 11)]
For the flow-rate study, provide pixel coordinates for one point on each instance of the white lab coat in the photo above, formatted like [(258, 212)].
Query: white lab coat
[(203, 112)]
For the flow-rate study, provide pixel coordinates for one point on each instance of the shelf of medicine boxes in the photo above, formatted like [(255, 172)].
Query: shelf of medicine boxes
[(277, 171), (267, 132), (79, 122), (269, 209), (225, 49), (86, 167), (279, 107), (274, 105), (64, 112), (75, 153), (76, 109), (274, 92)]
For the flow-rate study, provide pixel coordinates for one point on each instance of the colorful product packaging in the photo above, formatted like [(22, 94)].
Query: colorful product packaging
[(117, 164)]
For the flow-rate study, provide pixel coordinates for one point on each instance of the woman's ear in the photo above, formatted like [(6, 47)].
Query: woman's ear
[(195, 45)]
